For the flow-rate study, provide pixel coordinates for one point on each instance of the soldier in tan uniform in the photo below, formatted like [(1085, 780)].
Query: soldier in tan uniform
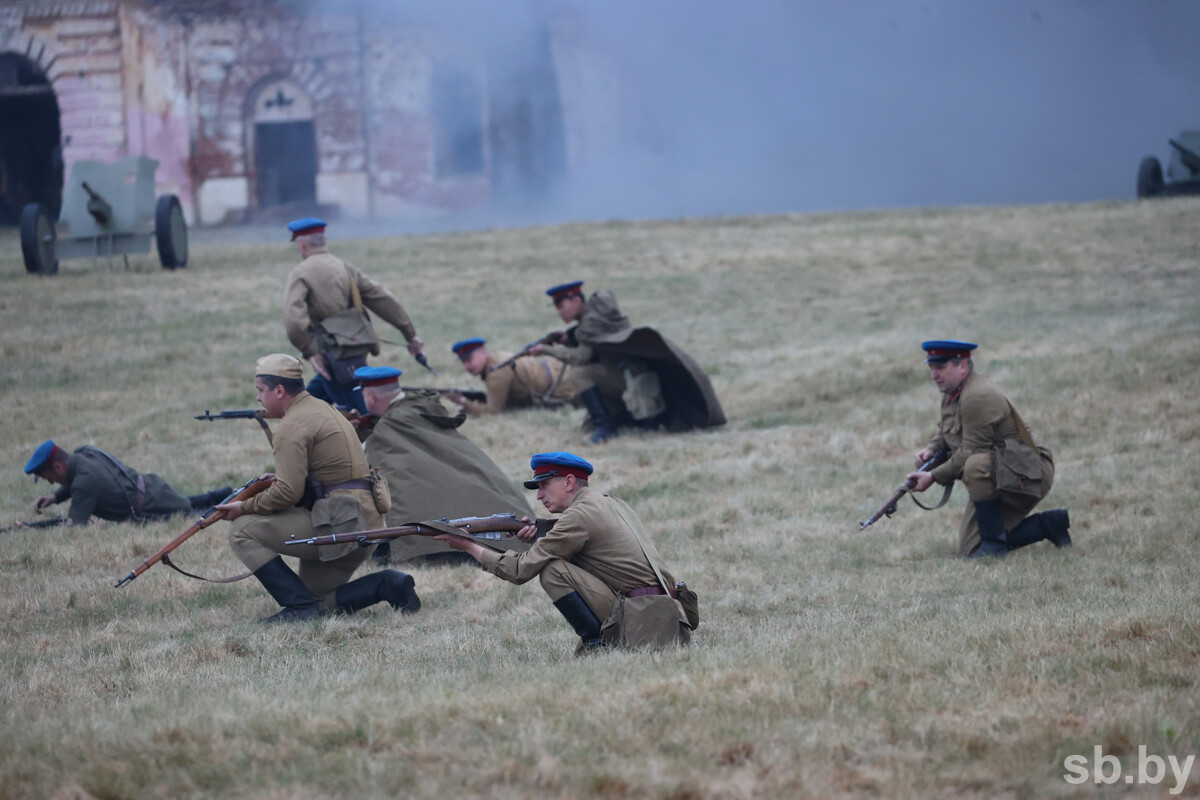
[(975, 418), (319, 287), (322, 485), (590, 555), (596, 377), (524, 382)]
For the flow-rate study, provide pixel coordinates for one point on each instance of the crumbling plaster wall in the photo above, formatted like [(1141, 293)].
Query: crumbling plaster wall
[(116, 77)]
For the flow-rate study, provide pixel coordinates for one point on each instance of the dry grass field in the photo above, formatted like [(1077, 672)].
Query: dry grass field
[(830, 663)]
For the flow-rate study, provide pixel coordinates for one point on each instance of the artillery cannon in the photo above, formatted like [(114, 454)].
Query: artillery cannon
[(1183, 169), (110, 210)]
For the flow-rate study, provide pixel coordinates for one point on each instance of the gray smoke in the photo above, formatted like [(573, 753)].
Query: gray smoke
[(701, 107)]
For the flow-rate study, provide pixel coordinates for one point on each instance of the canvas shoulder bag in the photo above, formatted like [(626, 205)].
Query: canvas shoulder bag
[(649, 620), (348, 334), (1017, 463)]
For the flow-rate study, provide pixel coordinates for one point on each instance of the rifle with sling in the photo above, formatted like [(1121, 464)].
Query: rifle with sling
[(553, 337), (889, 506), (494, 528), (247, 490)]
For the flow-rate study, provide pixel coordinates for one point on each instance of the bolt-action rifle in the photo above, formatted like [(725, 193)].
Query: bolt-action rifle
[(239, 413), (493, 528), (553, 337), (247, 490), (889, 506), (49, 522)]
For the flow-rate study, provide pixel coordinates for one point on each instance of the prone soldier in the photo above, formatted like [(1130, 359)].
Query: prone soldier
[(522, 383)]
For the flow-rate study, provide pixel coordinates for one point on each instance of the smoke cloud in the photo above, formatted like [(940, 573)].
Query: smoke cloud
[(709, 107)]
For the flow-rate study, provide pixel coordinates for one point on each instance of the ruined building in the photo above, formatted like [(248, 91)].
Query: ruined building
[(275, 108)]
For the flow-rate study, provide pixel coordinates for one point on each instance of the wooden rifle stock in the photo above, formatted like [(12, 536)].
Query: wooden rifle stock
[(247, 490), (889, 506), (497, 526), (550, 338)]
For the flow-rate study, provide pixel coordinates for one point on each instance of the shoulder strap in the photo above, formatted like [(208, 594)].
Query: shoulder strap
[(355, 294), (1021, 429), (642, 544)]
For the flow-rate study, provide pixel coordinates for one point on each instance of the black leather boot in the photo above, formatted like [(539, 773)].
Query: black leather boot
[(990, 517), (603, 426), (391, 586), (288, 590), (205, 501), (585, 622), (1051, 525)]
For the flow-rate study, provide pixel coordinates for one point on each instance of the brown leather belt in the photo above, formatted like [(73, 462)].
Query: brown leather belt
[(648, 590), (322, 490)]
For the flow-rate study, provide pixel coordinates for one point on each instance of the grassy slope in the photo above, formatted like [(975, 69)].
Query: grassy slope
[(830, 662)]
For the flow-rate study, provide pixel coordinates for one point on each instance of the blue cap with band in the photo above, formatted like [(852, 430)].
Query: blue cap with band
[(377, 376), (565, 290), (550, 465), (303, 227), (465, 347), (939, 351)]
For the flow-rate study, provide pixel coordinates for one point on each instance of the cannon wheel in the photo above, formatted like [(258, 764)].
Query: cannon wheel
[(38, 240), (170, 232), (1150, 177)]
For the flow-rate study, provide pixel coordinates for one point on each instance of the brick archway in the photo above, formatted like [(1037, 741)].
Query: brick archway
[(31, 157)]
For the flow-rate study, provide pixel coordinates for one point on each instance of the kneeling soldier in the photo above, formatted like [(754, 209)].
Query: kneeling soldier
[(321, 478), (977, 419), (596, 550)]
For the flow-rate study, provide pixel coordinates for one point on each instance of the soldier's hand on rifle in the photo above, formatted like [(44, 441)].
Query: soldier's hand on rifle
[(232, 510), (537, 349), (923, 456), (529, 532), (318, 363), (473, 549), (922, 480), (45, 501)]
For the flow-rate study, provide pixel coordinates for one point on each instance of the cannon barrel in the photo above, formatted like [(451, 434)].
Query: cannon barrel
[(97, 206), (1187, 156)]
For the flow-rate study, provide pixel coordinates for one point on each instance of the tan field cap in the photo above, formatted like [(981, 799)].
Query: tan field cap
[(280, 365)]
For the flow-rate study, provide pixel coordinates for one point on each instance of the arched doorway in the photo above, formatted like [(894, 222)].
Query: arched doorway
[(31, 165), (285, 146)]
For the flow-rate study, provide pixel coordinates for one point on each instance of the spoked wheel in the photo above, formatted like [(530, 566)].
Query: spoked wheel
[(170, 232), (1150, 177), (38, 240)]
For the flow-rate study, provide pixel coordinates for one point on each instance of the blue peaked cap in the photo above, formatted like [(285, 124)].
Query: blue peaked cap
[(465, 346), (565, 289), (40, 456), (307, 225), (549, 465), (374, 376), (939, 351)]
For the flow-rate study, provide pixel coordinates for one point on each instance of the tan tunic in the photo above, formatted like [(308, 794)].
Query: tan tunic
[(313, 442), (531, 380), (972, 423), (590, 535), (319, 286)]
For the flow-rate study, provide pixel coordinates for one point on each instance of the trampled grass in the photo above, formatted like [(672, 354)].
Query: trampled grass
[(830, 663)]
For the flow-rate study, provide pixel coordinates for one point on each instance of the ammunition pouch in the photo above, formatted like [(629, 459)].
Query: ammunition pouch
[(1017, 469), (337, 513), (646, 620)]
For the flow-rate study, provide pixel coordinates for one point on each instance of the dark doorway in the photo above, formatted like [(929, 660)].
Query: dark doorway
[(457, 122), (31, 165), (285, 161)]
